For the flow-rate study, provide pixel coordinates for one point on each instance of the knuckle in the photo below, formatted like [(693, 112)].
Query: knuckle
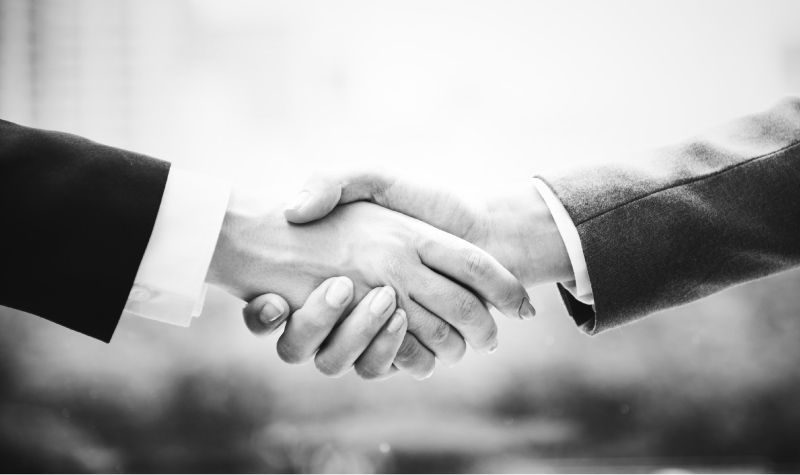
[(409, 351), (425, 244), (439, 331), (468, 309), (412, 359), (477, 266), (511, 292)]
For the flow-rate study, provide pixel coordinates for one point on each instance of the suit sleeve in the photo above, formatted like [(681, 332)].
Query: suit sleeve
[(679, 223), (77, 218)]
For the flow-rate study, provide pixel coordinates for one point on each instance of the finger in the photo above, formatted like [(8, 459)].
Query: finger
[(434, 333), (375, 363), (319, 195), (323, 191), (414, 359), (343, 347), (265, 314), (393, 371), (464, 263), (310, 326), (476, 269), (459, 307)]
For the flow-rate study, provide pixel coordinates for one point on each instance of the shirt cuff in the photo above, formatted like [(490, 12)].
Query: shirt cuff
[(580, 288), (170, 284)]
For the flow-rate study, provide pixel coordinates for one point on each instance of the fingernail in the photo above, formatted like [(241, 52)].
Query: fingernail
[(299, 200), (450, 363), (426, 376), (382, 301), (493, 347), (271, 311), (397, 321), (338, 292), (488, 350), (526, 310)]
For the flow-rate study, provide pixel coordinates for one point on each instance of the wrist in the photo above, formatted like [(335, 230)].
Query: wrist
[(219, 273), (238, 255), (535, 250), (258, 251)]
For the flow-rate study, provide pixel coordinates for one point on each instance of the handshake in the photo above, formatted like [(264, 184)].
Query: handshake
[(372, 270), (384, 273)]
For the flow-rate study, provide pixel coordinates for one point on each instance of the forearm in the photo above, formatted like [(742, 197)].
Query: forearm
[(246, 245), (78, 214), (683, 222), (258, 251)]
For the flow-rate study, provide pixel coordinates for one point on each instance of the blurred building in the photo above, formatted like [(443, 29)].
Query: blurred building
[(477, 91), (87, 67)]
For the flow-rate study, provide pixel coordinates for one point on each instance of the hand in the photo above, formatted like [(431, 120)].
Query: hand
[(258, 252), (369, 338), (509, 221)]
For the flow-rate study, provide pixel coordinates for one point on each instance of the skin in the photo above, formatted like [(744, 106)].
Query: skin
[(259, 252), (510, 221), (368, 339)]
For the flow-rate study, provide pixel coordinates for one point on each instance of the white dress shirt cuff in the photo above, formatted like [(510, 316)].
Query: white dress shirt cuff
[(170, 284), (580, 288)]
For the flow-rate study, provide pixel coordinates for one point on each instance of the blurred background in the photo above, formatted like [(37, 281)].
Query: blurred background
[(261, 93)]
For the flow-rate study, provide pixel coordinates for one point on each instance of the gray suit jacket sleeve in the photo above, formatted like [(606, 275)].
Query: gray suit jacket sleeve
[(682, 222)]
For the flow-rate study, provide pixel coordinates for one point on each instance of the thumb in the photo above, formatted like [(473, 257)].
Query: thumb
[(265, 313), (323, 191), (320, 194)]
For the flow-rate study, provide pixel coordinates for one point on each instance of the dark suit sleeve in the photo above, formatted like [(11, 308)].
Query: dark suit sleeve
[(76, 219), (676, 224)]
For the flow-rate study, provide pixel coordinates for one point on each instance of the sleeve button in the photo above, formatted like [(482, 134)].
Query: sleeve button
[(139, 294)]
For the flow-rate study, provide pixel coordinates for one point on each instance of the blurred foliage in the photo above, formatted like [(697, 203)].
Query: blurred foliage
[(707, 387), (262, 92)]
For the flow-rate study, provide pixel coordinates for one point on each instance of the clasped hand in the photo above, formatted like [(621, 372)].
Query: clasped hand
[(407, 292)]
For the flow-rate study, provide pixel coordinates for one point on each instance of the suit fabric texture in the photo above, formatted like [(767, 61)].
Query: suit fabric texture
[(678, 223), (76, 220)]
